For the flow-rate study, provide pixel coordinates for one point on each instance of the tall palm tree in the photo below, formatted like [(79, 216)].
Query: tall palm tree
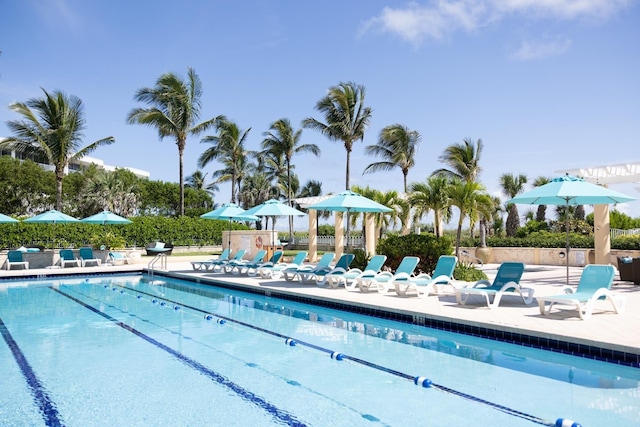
[(174, 108), (512, 185), (397, 145), (463, 160), (541, 212), (431, 195), (51, 130), (345, 117), (229, 148), (284, 140), (469, 197)]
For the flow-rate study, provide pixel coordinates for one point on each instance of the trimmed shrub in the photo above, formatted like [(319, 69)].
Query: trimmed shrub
[(425, 246)]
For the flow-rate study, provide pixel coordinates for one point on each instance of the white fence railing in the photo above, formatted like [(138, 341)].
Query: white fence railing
[(617, 232), (354, 241)]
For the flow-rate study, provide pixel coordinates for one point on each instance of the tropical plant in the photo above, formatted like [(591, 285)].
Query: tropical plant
[(512, 185), (345, 117), (469, 197), (174, 108), (541, 211), (197, 181), (283, 140), (431, 195), (228, 148), (51, 130), (397, 146), (463, 160), (25, 188)]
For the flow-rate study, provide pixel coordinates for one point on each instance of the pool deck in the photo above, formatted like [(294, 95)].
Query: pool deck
[(605, 329)]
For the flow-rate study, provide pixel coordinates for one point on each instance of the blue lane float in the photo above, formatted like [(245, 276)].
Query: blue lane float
[(422, 381), (337, 356), (563, 422), (290, 342)]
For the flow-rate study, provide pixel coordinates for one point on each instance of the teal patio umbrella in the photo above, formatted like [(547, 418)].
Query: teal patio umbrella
[(52, 217), (348, 201), (274, 208), (230, 212), (5, 219), (106, 217), (568, 191)]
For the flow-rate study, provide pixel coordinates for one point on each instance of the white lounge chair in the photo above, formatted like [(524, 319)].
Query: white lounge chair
[(87, 258), (595, 284), (423, 283), (15, 258), (251, 269), (68, 258), (319, 273), (275, 271), (303, 270), (383, 281), (118, 258), (347, 278), (235, 266), (506, 283), (202, 265)]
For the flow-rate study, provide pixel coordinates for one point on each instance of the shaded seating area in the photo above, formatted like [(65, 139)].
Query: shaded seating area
[(87, 258), (15, 259), (506, 283), (595, 284), (159, 248)]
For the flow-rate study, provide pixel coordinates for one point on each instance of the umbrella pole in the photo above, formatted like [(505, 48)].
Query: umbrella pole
[(566, 214)]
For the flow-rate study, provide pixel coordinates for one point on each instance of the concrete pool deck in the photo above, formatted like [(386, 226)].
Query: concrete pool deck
[(605, 329)]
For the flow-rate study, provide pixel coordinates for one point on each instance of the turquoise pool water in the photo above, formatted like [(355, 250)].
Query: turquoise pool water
[(120, 351)]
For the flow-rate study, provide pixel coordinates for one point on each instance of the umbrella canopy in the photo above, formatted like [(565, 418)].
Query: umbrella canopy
[(273, 208), (348, 201), (4, 219), (568, 191), (231, 212), (106, 217), (52, 217)]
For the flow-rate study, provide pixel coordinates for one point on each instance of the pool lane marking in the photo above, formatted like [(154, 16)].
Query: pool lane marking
[(412, 378), (220, 379), (368, 417), (45, 405)]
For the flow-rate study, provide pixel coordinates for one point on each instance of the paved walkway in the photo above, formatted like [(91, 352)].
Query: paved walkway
[(604, 329)]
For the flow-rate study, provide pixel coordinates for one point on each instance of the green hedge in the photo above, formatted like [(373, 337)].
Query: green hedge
[(545, 239), (183, 231), (426, 246)]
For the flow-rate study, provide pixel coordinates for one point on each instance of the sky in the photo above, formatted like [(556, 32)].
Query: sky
[(547, 85)]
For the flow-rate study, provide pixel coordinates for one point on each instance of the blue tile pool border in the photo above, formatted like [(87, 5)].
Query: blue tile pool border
[(549, 344)]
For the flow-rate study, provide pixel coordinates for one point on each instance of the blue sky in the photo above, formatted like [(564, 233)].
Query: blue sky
[(546, 84)]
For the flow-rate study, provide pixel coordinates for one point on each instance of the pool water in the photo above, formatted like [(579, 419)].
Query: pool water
[(129, 351)]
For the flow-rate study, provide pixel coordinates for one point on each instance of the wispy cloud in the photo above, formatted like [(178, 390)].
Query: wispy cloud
[(437, 19), (58, 13), (531, 50)]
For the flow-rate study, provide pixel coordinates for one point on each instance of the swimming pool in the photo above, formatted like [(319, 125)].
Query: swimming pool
[(121, 351)]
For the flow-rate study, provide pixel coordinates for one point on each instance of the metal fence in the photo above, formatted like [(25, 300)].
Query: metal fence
[(354, 241), (617, 232)]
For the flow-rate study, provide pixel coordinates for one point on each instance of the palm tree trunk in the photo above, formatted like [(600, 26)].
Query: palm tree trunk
[(181, 156), (347, 169), (59, 177)]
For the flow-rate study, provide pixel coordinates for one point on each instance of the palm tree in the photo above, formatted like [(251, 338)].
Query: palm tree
[(512, 186), (471, 198), (197, 181), (463, 159), (228, 147), (397, 145), (282, 139), (51, 130), (174, 108), (541, 213), (431, 195), (345, 117)]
